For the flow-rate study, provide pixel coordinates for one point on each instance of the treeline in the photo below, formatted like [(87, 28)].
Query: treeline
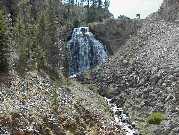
[(98, 3), (88, 10)]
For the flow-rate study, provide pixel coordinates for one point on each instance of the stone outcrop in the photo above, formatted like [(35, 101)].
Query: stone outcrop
[(114, 33)]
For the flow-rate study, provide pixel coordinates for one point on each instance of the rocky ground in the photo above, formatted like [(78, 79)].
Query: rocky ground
[(36, 105), (143, 77), (170, 10)]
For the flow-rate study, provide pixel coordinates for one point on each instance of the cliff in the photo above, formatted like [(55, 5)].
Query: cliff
[(114, 33)]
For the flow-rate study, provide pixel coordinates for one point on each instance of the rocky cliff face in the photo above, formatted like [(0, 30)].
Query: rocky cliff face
[(143, 76), (114, 33), (169, 11)]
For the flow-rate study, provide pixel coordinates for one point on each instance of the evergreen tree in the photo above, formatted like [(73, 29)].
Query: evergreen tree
[(97, 11), (3, 44), (106, 4), (100, 3)]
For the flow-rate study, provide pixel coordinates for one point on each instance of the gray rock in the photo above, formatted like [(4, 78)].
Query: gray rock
[(147, 80)]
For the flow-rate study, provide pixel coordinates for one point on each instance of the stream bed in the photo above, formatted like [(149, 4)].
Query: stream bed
[(123, 120)]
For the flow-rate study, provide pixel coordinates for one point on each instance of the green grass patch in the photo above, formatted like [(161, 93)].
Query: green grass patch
[(156, 118)]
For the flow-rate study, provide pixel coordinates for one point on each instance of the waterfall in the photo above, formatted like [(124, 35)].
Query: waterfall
[(84, 51)]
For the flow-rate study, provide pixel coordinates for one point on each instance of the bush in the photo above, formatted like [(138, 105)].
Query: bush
[(156, 118)]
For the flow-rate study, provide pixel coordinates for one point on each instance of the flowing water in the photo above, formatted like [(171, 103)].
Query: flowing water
[(84, 51), (123, 120)]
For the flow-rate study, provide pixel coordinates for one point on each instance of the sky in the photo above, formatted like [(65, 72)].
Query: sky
[(132, 7)]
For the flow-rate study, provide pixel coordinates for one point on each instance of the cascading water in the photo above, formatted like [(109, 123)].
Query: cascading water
[(84, 51), (123, 120)]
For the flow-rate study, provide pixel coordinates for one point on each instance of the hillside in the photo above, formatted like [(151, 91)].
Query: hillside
[(134, 92), (169, 10), (143, 76), (36, 95), (35, 104)]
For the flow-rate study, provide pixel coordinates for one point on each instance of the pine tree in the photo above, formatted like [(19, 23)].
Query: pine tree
[(3, 44), (100, 3), (106, 4), (97, 11)]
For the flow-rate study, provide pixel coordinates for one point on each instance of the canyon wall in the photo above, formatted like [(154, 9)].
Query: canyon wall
[(113, 33)]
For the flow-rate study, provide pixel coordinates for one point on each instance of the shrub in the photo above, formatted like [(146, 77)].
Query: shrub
[(156, 118)]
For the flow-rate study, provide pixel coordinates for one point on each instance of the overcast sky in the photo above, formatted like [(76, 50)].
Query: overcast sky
[(132, 7)]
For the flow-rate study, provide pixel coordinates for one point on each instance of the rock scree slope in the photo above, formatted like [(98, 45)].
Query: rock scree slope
[(169, 10), (36, 105), (143, 77)]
